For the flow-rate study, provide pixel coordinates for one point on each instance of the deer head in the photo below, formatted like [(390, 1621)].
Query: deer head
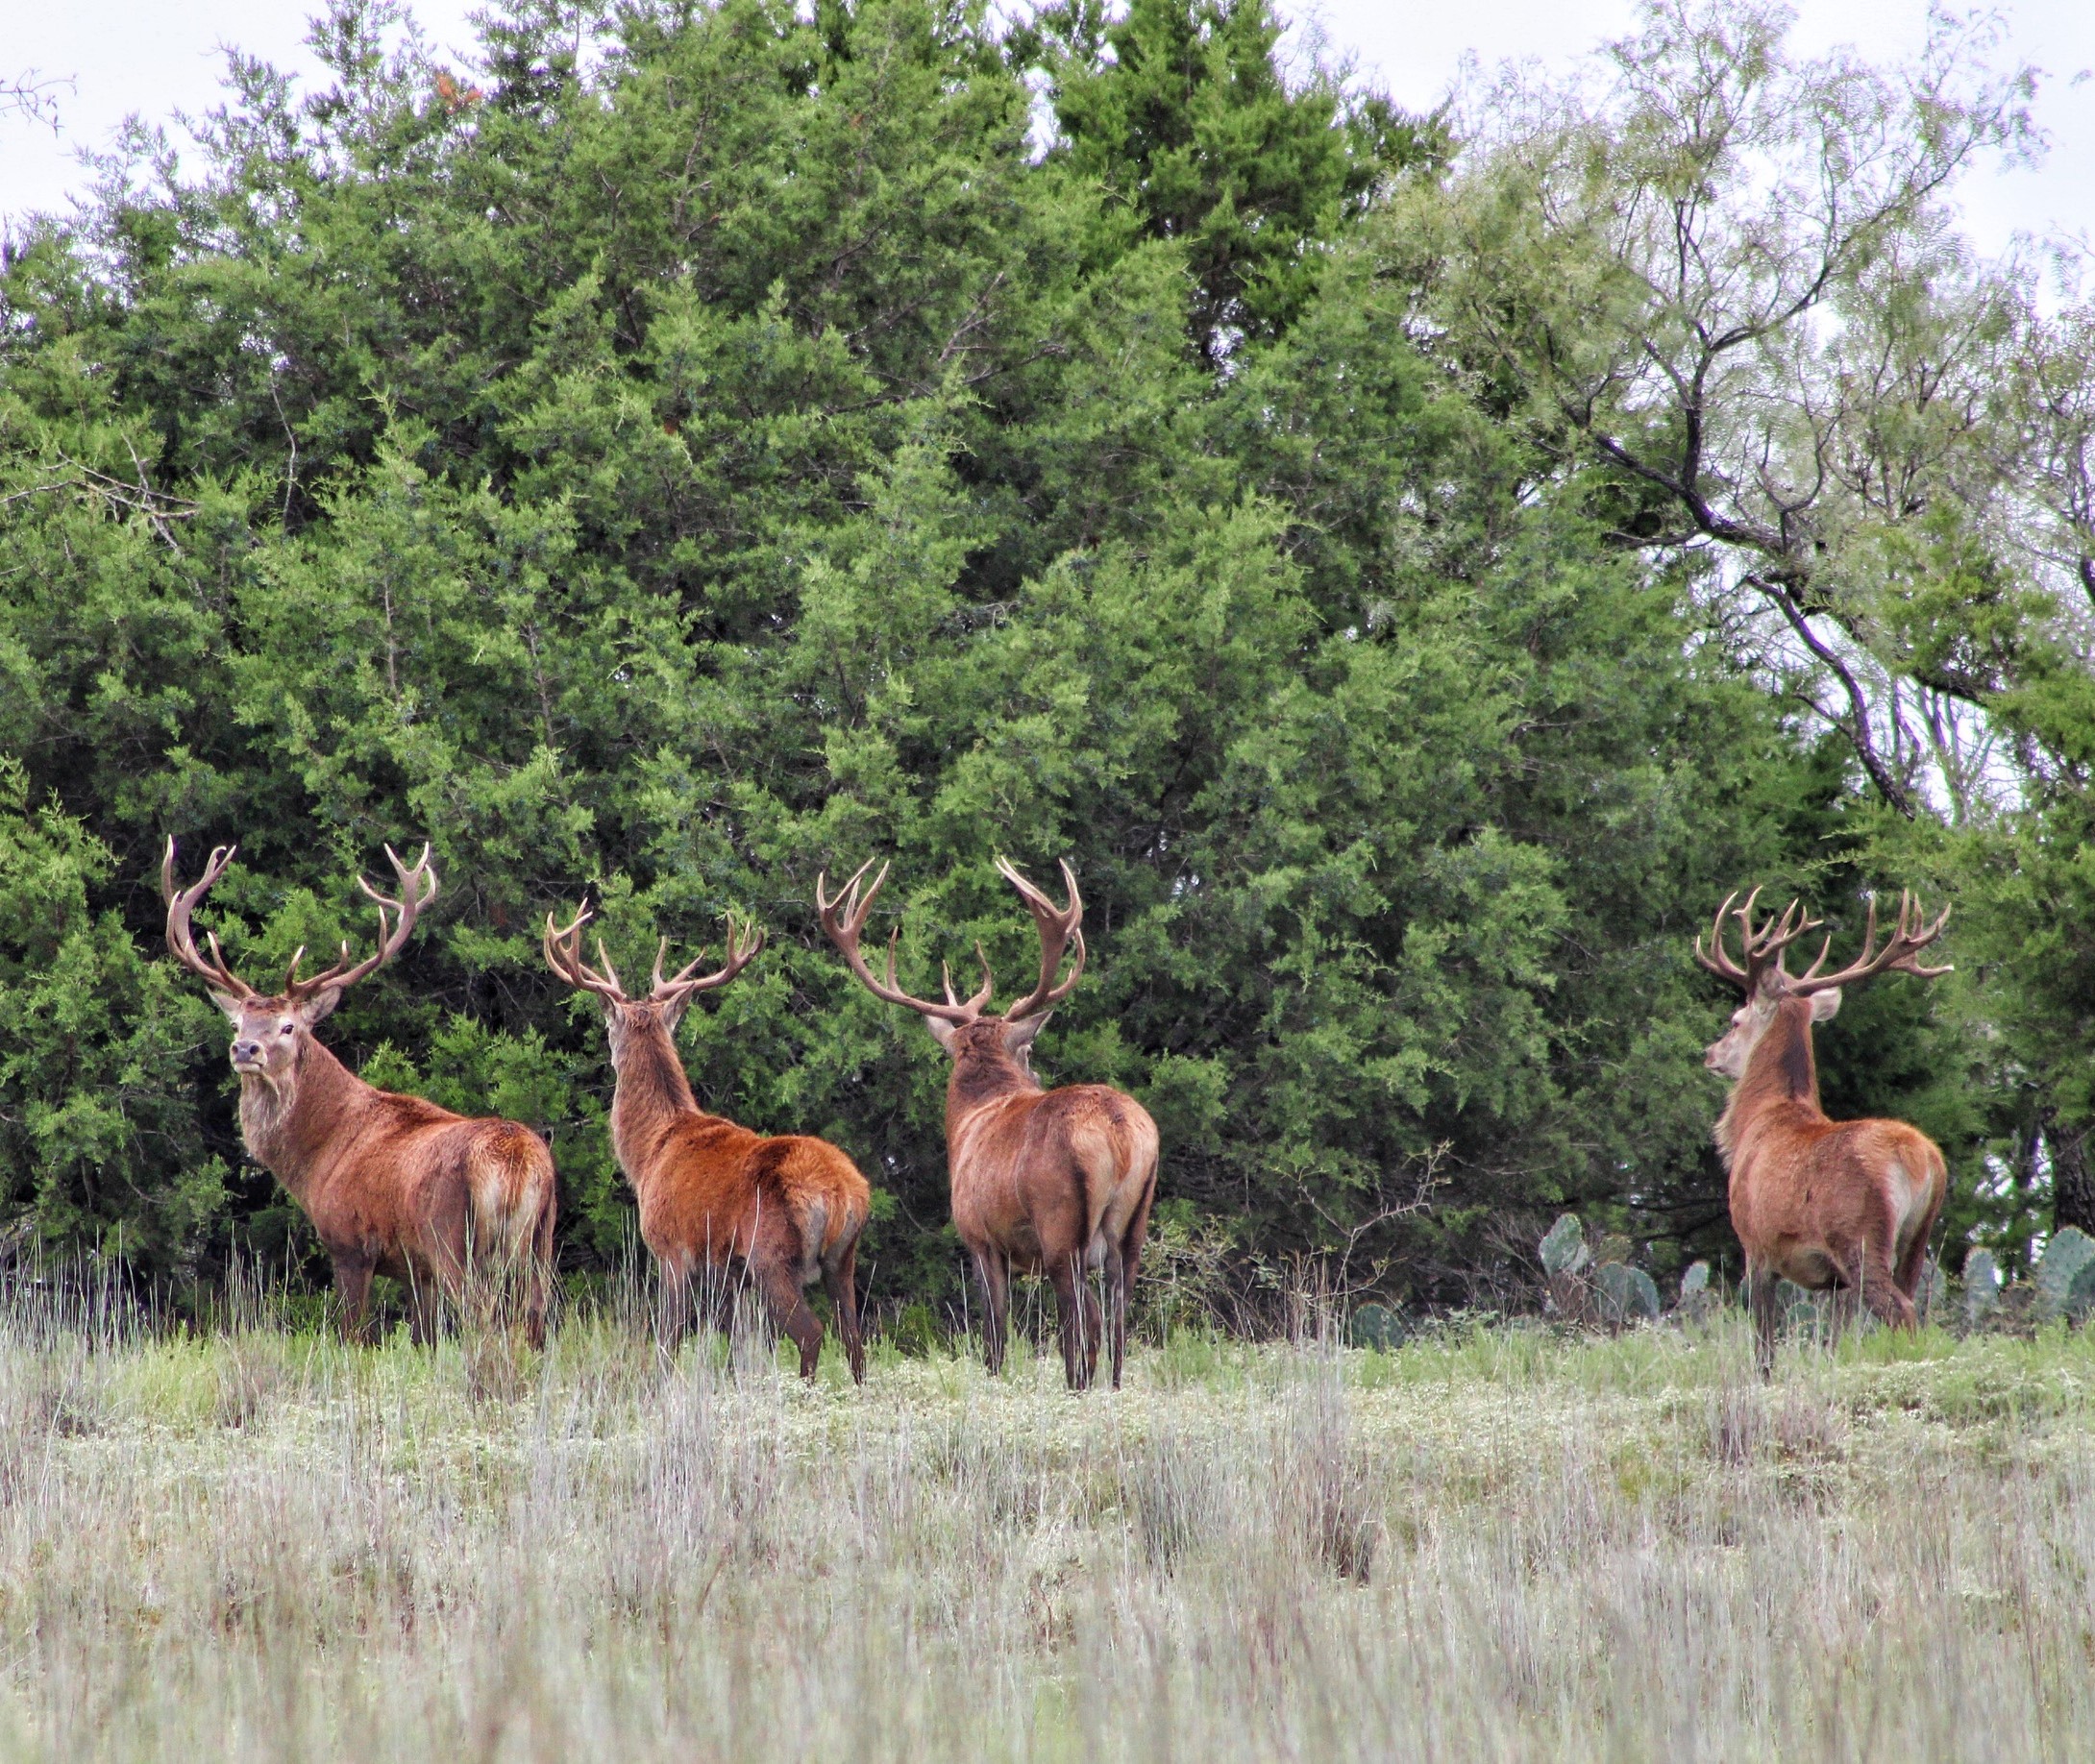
[(664, 1005), (268, 1027), (1767, 984), (963, 1026)]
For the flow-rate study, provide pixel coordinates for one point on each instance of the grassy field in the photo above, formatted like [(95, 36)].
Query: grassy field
[(1493, 1544)]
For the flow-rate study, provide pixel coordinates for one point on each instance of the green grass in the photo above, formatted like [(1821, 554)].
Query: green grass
[(1493, 1543)]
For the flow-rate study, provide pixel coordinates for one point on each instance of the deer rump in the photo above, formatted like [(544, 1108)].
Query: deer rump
[(1809, 1198), (725, 1194), (1099, 1148), (465, 1195)]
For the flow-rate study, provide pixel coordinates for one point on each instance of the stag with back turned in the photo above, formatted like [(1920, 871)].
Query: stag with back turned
[(393, 1184), (715, 1198), (1846, 1205), (1046, 1182)]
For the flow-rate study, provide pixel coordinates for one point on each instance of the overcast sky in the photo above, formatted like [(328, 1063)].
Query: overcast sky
[(153, 57)]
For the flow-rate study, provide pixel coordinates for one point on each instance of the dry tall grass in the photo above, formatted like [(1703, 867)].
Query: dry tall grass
[(1495, 1545)]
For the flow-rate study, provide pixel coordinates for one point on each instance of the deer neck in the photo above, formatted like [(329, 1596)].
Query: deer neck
[(651, 1095), (287, 1122), (1782, 1073), (981, 1076)]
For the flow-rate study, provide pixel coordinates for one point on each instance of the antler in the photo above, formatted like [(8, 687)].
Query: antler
[(565, 956), (844, 933), (182, 940), (1761, 946), (1911, 934), (414, 895), (1056, 926), (743, 944)]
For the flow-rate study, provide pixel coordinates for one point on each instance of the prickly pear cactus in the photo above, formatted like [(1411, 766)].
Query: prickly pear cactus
[(1375, 1326), (1695, 1297), (1626, 1293), (1564, 1250), (1981, 1287), (2081, 1295), (2067, 1258)]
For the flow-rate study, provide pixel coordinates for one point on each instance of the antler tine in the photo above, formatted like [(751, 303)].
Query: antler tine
[(843, 932), (1922, 936), (611, 974), (565, 956), (1719, 960), (1759, 945), (945, 977), (417, 888), (743, 946), (1056, 925), (1910, 936), (182, 938)]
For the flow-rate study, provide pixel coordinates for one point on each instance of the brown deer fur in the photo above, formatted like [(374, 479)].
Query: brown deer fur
[(716, 1198), (393, 1184), (1842, 1205), (1055, 1182)]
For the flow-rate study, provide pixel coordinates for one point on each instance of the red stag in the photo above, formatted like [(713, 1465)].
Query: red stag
[(1823, 1203), (712, 1195), (393, 1184), (1055, 1182)]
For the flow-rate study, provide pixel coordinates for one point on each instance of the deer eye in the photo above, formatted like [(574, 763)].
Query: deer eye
[(287, 1028)]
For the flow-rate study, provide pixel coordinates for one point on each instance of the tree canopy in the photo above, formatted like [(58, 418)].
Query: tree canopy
[(1412, 568)]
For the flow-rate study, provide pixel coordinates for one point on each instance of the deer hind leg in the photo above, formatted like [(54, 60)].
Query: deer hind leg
[(1914, 1257), (840, 1280), (424, 1310), (1073, 1302), (780, 1286), (1881, 1292), (1123, 1261), (995, 1272), (538, 1277), (1115, 1308)]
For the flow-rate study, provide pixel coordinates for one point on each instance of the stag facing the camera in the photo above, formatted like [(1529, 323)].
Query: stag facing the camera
[(393, 1184), (715, 1197), (1043, 1181), (1843, 1205)]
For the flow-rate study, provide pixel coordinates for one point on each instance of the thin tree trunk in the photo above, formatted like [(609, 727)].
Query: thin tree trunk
[(2073, 1183)]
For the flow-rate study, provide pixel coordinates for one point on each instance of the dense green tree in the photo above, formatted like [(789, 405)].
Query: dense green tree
[(661, 472)]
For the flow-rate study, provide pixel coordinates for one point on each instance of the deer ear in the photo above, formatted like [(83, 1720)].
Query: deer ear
[(1824, 1005), (1019, 1035), (672, 1011), (227, 1003), (312, 1009), (941, 1031)]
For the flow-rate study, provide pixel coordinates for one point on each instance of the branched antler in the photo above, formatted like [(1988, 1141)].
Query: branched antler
[(844, 919), (563, 955), (1763, 946), (181, 939), (1056, 925)]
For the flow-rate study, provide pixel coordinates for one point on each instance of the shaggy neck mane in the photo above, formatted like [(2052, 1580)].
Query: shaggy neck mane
[(982, 1073), (287, 1124), (1781, 1070)]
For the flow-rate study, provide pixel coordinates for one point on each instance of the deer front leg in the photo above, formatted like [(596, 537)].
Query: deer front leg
[(672, 1304), (1761, 1287), (353, 1270)]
